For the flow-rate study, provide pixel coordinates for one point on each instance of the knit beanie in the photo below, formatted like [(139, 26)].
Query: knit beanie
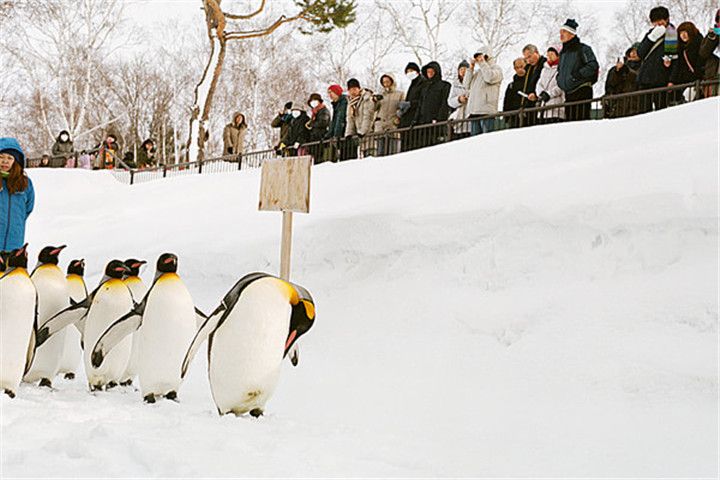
[(336, 89), (570, 26), (412, 66)]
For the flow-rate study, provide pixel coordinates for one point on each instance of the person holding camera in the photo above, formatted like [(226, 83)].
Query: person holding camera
[(656, 64), (482, 82)]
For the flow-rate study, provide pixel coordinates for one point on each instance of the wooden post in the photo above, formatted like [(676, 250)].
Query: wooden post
[(286, 245)]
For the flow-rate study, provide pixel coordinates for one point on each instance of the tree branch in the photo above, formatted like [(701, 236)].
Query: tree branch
[(247, 16), (265, 31)]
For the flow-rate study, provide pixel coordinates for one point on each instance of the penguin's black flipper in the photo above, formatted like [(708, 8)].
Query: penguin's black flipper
[(208, 326), (115, 333), (71, 315)]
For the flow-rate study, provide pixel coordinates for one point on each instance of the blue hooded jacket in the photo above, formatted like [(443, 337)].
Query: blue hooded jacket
[(15, 208)]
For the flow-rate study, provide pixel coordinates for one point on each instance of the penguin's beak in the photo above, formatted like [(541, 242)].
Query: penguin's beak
[(58, 250), (21, 251), (139, 264)]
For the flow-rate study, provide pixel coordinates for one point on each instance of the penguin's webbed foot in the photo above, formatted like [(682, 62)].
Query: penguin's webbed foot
[(110, 385), (126, 383), (171, 395), (256, 412), (95, 388), (70, 376), (45, 382), (9, 393), (149, 398)]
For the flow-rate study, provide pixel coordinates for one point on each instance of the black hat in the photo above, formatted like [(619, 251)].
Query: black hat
[(412, 66), (570, 25), (464, 63), (659, 13), (315, 96), (288, 106), (353, 82)]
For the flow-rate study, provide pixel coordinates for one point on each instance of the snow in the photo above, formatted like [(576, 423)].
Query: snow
[(536, 302)]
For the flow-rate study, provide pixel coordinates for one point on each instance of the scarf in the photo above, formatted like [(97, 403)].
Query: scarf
[(671, 42), (353, 103), (317, 109), (552, 64)]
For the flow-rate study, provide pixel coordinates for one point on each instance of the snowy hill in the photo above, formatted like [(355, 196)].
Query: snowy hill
[(537, 302)]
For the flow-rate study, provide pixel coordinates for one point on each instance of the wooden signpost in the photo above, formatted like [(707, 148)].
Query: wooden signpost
[(285, 187)]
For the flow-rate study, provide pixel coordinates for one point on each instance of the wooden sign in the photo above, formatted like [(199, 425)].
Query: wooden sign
[(285, 185)]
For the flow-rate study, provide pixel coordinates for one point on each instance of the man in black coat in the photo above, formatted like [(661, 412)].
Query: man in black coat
[(622, 78), (297, 133), (534, 63), (433, 104), (656, 65), (409, 107), (577, 72)]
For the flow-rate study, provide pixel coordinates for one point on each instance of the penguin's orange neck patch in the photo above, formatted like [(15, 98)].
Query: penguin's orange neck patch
[(168, 277)]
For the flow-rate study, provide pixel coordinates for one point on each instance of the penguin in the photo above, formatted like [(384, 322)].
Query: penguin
[(18, 321), (165, 323), (72, 353), (138, 289), (53, 296), (257, 323)]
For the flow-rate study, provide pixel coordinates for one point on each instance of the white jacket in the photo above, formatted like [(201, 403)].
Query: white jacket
[(460, 108), (548, 83), (483, 86)]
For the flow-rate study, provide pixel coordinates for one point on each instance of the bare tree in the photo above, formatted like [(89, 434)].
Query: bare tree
[(420, 25), (700, 12), (554, 15), (224, 26)]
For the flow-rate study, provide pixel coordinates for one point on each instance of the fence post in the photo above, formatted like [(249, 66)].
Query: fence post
[(132, 177), (448, 132), (240, 160), (200, 164), (521, 116), (164, 170)]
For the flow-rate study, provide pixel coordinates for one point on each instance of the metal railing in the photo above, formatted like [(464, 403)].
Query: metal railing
[(420, 136)]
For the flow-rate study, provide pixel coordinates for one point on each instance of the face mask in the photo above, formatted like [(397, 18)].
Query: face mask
[(314, 103), (63, 138), (295, 114), (412, 75)]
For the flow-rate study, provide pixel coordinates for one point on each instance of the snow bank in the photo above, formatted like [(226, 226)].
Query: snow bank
[(537, 302)]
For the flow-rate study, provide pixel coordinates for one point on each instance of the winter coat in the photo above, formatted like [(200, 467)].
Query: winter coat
[(318, 124), (707, 53), (234, 136), (483, 86), (360, 116), (412, 97), (653, 72), (434, 97), (386, 109), (548, 83), (145, 158), (578, 66), (512, 98), (459, 109), (62, 149), (532, 76), (339, 118), (689, 67), (622, 81), (298, 133), (282, 121), (107, 154), (14, 212)]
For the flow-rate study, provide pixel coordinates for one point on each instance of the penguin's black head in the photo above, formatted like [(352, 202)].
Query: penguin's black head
[(134, 266), (116, 269), (3, 265), (302, 316), (18, 258), (50, 255), (167, 263), (77, 267)]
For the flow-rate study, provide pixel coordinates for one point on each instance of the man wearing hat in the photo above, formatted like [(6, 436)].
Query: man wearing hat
[(338, 123), (17, 196), (577, 72)]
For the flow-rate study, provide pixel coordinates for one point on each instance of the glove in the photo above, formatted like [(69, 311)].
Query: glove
[(229, 151), (377, 97), (544, 97), (296, 145), (656, 33)]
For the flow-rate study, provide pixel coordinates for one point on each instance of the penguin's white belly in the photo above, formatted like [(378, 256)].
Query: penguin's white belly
[(72, 352), (53, 296), (247, 349), (168, 328), (138, 291), (17, 313), (111, 302)]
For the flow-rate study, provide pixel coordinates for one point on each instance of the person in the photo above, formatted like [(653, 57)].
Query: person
[(387, 105), (710, 53), (63, 147), (622, 78), (297, 133), (146, 154), (108, 151), (482, 81), (70, 162), (317, 125), (690, 66), (433, 106), (282, 121), (234, 137), (85, 160), (547, 90), (409, 107), (360, 114), (17, 195), (128, 160), (458, 102), (656, 63), (45, 161), (512, 99), (338, 123), (534, 63), (577, 72)]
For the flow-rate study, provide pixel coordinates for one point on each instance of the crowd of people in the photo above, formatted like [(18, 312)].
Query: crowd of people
[(105, 155)]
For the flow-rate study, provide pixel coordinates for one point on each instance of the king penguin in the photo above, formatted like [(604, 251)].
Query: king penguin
[(18, 320), (53, 297), (72, 353), (138, 289), (249, 334), (164, 322)]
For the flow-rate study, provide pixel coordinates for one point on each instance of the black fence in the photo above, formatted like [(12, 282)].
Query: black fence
[(421, 136)]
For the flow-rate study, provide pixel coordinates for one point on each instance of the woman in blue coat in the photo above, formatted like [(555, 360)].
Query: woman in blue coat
[(17, 196)]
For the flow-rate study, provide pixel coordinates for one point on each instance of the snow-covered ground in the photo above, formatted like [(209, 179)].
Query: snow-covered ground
[(538, 302)]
